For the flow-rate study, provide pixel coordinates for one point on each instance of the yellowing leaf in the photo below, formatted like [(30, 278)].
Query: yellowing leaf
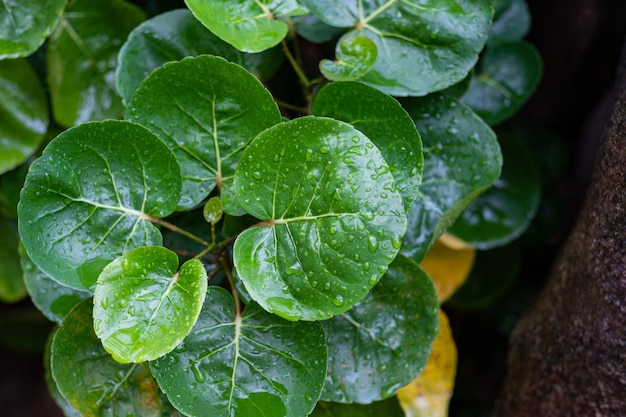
[(429, 394)]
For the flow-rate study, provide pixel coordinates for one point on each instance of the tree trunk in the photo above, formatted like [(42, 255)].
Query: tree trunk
[(568, 353)]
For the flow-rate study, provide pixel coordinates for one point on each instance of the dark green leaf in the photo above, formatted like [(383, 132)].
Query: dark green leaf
[(12, 287), (23, 113), (248, 25), (213, 210), (356, 56), (144, 306), (421, 48), (461, 159), (333, 218), (314, 30), (26, 24), (511, 22), (82, 57), (206, 110), (503, 211), (91, 381), (173, 36), (67, 409), (248, 366), (90, 198), (382, 343), (387, 408), (384, 122), (11, 184), (506, 78)]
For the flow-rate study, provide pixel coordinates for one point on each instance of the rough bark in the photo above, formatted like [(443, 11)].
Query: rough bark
[(568, 353)]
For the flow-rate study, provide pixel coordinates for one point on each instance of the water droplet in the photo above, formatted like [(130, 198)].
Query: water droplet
[(324, 149), (197, 372), (257, 175), (373, 280), (338, 300), (372, 244), (125, 264), (104, 303), (396, 242), (285, 289), (327, 286), (368, 216)]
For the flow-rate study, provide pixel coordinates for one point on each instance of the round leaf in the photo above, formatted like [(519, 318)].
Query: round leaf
[(248, 25), (206, 110), (12, 287), (511, 21), (172, 36), (384, 341), (382, 119), (90, 198), (333, 218), (314, 30), (213, 210), (23, 113), (356, 56), (144, 306), (387, 408), (231, 366), (26, 24)]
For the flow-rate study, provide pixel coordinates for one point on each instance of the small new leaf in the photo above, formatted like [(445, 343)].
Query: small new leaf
[(356, 56)]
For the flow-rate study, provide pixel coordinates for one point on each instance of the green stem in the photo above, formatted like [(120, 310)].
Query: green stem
[(290, 106), (178, 230), (294, 64)]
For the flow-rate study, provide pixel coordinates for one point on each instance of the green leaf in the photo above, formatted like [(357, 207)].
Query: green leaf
[(91, 381), (213, 210), (382, 343), (503, 211), (511, 22), (91, 196), (26, 24), (314, 30), (356, 56), (144, 306), (421, 48), (506, 78), (248, 25), (387, 408), (333, 218), (206, 110), (244, 366), (172, 36), (82, 58), (11, 184), (12, 287), (23, 113), (65, 406), (461, 159), (384, 122)]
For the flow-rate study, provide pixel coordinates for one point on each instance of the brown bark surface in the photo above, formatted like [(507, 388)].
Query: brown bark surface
[(568, 353)]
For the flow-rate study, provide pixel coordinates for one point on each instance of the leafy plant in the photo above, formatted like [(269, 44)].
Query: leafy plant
[(222, 250)]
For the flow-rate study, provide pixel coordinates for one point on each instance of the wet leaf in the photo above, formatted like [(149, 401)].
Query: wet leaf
[(355, 57), (439, 42), (173, 36), (461, 159), (213, 210), (382, 119), (387, 408), (511, 21), (333, 218), (65, 406), (206, 110), (12, 287), (26, 24), (23, 113), (250, 26), (314, 30), (90, 197), (231, 366), (144, 306), (383, 342), (82, 58)]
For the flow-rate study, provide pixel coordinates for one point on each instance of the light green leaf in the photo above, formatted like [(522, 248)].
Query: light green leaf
[(384, 122), (382, 343), (421, 47), (206, 110), (461, 159), (144, 306), (12, 287), (356, 56), (510, 23), (91, 381), (248, 25), (23, 113), (244, 366), (82, 58), (213, 210), (387, 408), (506, 78), (26, 24), (333, 218), (91, 196), (172, 36)]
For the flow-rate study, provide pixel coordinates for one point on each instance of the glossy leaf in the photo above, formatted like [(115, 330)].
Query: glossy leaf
[(506, 78), (144, 306), (248, 25), (12, 287), (82, 58), (173, 36), (440, 42), (384, 341), (206, 110), (90, 197), (461, 159), (387, 408), (23, 113), (53, 390), (213, 210), (511, 22), (384, 122), (255, 364), (355, 57), (26, 24), (504, 211), (314, 30), (333, 218), (91, 381)]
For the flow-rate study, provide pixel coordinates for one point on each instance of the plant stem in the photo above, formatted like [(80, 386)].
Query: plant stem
[(294, 64), (178, 230), (290, 106)]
